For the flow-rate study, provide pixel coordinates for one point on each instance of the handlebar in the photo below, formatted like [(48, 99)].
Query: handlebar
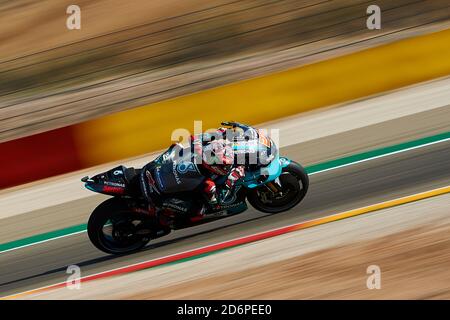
[(235, 124)]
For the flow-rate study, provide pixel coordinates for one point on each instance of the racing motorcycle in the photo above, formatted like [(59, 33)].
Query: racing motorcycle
[(137, 212)]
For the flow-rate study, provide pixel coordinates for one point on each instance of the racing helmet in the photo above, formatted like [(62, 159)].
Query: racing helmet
[(218, 156)]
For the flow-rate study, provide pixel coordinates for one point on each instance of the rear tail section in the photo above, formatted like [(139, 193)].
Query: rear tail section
[(119, 181)]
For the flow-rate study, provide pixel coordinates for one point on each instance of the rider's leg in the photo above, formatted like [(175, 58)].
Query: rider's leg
[(236, 174), (210, 194), (213, 196)]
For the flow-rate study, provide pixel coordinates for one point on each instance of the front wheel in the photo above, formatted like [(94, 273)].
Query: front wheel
[(293, 184), (114, 228)]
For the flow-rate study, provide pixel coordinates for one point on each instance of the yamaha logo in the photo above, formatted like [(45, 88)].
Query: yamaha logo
[(184, 167)]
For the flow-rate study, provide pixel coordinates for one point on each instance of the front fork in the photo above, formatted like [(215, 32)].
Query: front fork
[(274, 186)]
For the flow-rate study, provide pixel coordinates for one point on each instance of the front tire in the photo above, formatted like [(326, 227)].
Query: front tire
[(295, 183), (115, 216)]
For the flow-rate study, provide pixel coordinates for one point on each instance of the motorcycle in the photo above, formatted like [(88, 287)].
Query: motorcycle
[(138, 211)]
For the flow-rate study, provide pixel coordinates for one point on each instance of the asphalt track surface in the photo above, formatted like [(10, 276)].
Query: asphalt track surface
[(330, 192)]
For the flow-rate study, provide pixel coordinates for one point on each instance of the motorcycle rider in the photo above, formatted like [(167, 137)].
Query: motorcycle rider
[(214, 156), (211, 156)]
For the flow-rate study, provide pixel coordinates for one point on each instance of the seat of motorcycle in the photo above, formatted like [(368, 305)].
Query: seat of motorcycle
[(130, 174)]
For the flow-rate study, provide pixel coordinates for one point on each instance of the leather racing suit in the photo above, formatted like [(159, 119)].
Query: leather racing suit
[(214, 156), (210, 157)]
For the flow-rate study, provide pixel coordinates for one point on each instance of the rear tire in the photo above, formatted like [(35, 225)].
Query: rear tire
[(109, 210), (294, 179)]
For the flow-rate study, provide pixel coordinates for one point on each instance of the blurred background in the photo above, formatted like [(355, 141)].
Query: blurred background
[(129, 55), (113, 91)]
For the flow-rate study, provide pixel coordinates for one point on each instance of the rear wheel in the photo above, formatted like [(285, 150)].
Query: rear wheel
[(292, 187), (114, 228)]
